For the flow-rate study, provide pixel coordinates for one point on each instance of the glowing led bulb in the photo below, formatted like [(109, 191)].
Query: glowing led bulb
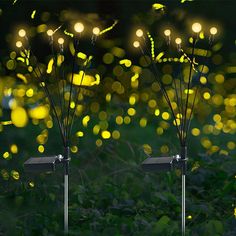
[(96, 30), (213, 30), (19, 44), (196, 27), (178, 41), (139, 33), (136, 44), (167, 32), (60, 41), (79, 27), (22, 33), (50, 32)]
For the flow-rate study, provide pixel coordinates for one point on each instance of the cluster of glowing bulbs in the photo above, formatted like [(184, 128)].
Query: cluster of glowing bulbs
[(78, 27), (196, 28)]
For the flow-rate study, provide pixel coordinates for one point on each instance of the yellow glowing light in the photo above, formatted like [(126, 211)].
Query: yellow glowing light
[(203, 80), (177, 122), (85, 120), (41, 148), (19, 44), (131, 111), (19, 117), (143, 122), (29, 92), (106, 134), (165, 115), (79, 27), (119, 120), (139, 33), (108, 97), (196, 27), (178, 41), (219, 78), (189, 217), (96, 129), (39, 112), (213, 30), (15, 174), (195, 132), (14, 148), (206, 143), (159, 131), (126, 62), (80, 134), (99, 142), (50, 32), (206, 95), (157, 112), (147, 149), (136, 44), (82, 55), (231, 145), (188, 91), (115, 134), (167, 32), (96, 31), (109, 28), (127, 120), (50, 66), (217, 117), (74, 149), (152, 103), (31, 184), (164, 149), (6, 155), (85, 80), (22, 33), (132, 100), (60, 41)]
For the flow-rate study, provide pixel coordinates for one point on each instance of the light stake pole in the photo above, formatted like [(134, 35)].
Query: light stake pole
[(181, 116), (66, 160), (183, 155)]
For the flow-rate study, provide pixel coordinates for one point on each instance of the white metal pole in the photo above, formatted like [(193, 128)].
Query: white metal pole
[(184, 170), (183, 204), (66, 188), (66, 179)]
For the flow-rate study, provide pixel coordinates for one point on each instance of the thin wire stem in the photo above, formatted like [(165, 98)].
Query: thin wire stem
[(162, 87), (188, 87), (178, 105), (77, 98), (44, 86), (195, 95), (71, 85)]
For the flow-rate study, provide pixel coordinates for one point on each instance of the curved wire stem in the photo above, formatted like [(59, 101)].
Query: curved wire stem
[(188, 87), (195, 95), (84, 69), (71, 85), (52, 104), (162, 87)]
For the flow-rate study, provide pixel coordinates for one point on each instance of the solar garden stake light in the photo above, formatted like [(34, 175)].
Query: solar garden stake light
[(63, 110), (183, 112)]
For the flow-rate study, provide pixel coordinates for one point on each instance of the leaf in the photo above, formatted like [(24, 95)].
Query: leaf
[(162, 224)]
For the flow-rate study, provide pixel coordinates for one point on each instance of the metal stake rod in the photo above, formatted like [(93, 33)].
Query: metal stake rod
[(66, 187), (184, 168), (183, 205)]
